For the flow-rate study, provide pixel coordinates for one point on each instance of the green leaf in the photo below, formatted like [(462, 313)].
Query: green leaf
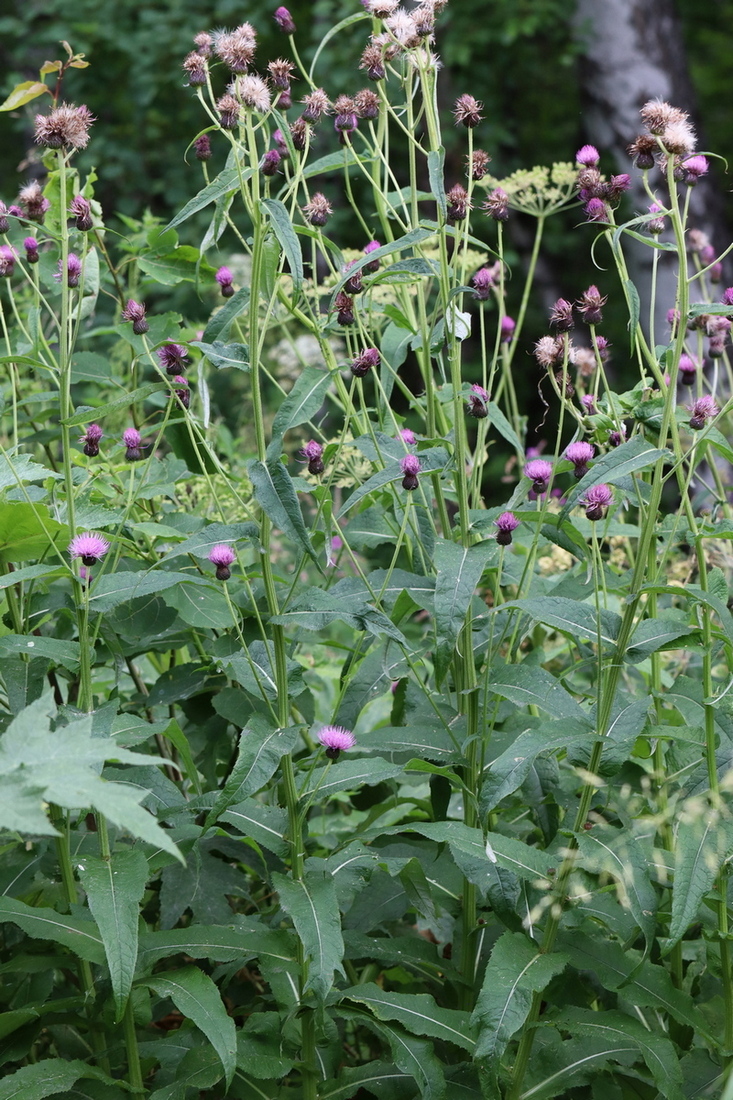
[(375, 1077), (571, 617), (274, 492), (417, 1012), (43, 923), (475, 854), (184, 263), (246, 939), (300, 405), (431, 461), (459, 570), (350, 775), (406, 742), (704, 841), (227, 181), (508, 772), (651, 635), (196, 997), (499, 421), (259, 1047), (412, 1055), (218, 326), (266, 824), (528, 684), (283, 230), (516, 970), (436, 161), (114, 589), (64, 653), (617, 852), (224, 355), (15, 469), (312, 906), (402, 244), (114, 888), (200, 605), (48, 1077), (21, 94), (261, 748), (28, 531), (200, 1069), (634, 311), (132, 397)]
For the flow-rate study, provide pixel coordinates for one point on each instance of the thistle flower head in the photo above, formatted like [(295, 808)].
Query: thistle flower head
[(183, 393), (373, 265), (133, 444), (478, 402), (318, 210), (482, 282), (410, 466), (299, 133), (588, 402), (336, 739), (229, 109), (467, 111), (408, 437), (173, 357), (506, 522), (508, 327), (203, 42), (30, 244), (67, 125), (281, 73), (202, 147), (403, 28), (316, 104), (254, 94), (366, 104), (90, 547), (596, 500), (580, 454), (561, 315), (33, 202), (372, 62), (688, 370), (7, 261), (367, 359), (135, 312), (497, 205), (549, 351), (225, 279), (91, 439), (81, 208), (458, 203), (693, 169), (655, 225), (704, 409), (73, 270), (643, 151), (195, 68), (616, 186), (236, 48), (590, 305), (222, 557), (344, 306), (595, 210), (381, 8), (539, 471), (284, 20), (313, 454), (588, 156), (477, 164)]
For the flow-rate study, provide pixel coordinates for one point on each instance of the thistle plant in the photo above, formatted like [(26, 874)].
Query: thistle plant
[(348, 732)]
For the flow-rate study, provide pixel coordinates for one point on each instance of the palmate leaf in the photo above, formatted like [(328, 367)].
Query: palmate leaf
[(114, 888), (312, 906), (417, 1013), (196, 996)]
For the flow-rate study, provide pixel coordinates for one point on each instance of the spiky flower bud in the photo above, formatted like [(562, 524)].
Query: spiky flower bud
[(467, 111), (616, 438), (30, 244), (373, 265), (133, 444), (478, 402), (135, 312), (225, 279), (344, 306), (497, 205), (91, 439), (284, 20), (410, 466), (202, 147), (590, 305), (271, 162), (458, 203), (195, 68), (73, 270), (655, 225), (507, 522), (81, 209), (561, 315), (366, 360), (318, 210), (703, 410), (173, 358), (67, 125), (222, 556), (596, 501)]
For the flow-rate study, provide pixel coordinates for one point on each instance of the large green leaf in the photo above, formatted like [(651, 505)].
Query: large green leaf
[(112, 589), (114, 888), (311, 904), (417, 1012), (517, 969), (15, 469), (261, 748), (29, 531), (227, 181), (529, 684), (384, 1079), (49, 1077), (570, 616), (196, 997), (246, 938), (43, 923), (636, 454), (704, 841), (286, 235), (275, 493), (459, 569), (219, 325), (265, 824), (617, 852), (508, 772), (132, 397), (349, 775), (410, 1054), (301, 405)]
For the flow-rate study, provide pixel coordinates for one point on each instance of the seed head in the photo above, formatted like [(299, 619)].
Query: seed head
[(539, 471), (195, 68), (580, 454), (381, 8), (318, 210), (596, 500), (656, 115), (173, 357), (703, 410), (477, 164), (467, 111), (679, 138), (403, 28), (32, 200), (366, 360), (135, 312), (317, 104), (236, 48), (336, 739), (506, 522), (67, 125), (549, 351), (225, 279), (284, 20), (81, 209), (90, 547), (478, 402), (229, 109), (254, 94)]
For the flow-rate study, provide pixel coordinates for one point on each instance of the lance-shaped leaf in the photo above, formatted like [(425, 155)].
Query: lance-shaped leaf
[(275, 493), (507, 773), (383, 1078), (114, 888), (197, 998), (410, 1054), (417, 1012), (312, 906), (286, 235), (227, 181), (516, 970), (222, 355), (300, 405), (133, 397), (44, 923), (261, 748), (459, 569), (704, 841), (219, 325), (571, 617), (529, 684), (246, 939), (617, 852), (50, 1077)]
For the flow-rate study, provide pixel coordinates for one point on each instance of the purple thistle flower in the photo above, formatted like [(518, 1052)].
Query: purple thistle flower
[(81, 209), (73, 270), (335, 739), (271, 161), (596, 500), (7, 261), (133, 444), (353, 284), (539, 471), (655, 225), (344, 306), (284, 20), (688, 370), (506, 522), (30, 244), (615, 439), (727, 298), (4, 223), (367, 359), (202, 147), (183, 395), (90, 547), (703, 410), (590, 305), (222, 557), (91, 439), (595, 210), (408, 437), (478, 400), (580, 454), (693, 169), (508, 326), (410, 466), (174, 357), (588, 156), (482, 282), (588, 402), (225, 279), (561, 315), (616, 186), (135, 312), (313, 454), (373, 265)]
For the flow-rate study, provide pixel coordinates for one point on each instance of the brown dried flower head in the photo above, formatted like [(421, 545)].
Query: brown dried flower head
[(366, 103), (66, 125), (316, 104), (236, 48), (281, 73), (254, 93)]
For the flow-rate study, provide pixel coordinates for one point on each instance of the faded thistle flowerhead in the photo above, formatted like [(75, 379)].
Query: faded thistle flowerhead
[(497, 205), (372, 61), (281, 73), (135, 312), (316, 104), (33, 202), (91, 439), (4, 223), (195, 68), (458, 203), (580, 454), (67, 125), (344, 306), (299, 133), (718, 329), (366, 104), (90, 547), (353, 284), (506, 522), (254, 94), (467, 111), (133, 444), (539, 471), (590, 305), (549, 351), (7, 261), (236, 48), (313, 454), (588, 402), (596, 501), (561, 315), (284, 20), (318, 210), (271, 162), (478, 402), (596, 210), (688, 370), (81, 209), (410, 466), (173, 357), (643, 151), (366, 360), (202, 147), (229, 109), (222, 557), (346, 120), (336, 739), (703, 410), (225, 279)]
